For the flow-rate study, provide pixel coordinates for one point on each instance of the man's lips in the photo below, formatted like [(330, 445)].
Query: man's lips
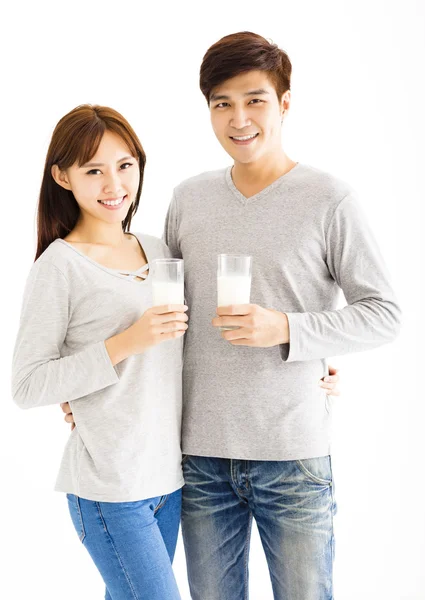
[(244, 140)]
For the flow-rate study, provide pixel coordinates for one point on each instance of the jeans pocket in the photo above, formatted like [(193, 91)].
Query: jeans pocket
[(76, 516), (318, 469)]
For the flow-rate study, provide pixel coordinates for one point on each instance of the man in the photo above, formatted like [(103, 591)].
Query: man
[(256, 425)]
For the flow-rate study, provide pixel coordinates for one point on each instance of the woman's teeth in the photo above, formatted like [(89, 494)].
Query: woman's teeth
[(112, 202)]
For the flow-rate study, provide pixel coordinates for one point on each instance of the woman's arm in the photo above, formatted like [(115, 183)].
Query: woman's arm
[(40, 376)]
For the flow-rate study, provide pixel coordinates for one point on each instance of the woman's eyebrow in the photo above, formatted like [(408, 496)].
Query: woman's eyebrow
[(103, 164)]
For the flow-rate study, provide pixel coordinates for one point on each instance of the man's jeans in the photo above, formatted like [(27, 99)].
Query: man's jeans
[(131, 543), (293, 504)]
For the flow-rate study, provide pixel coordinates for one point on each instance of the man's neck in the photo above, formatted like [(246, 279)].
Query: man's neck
[(252, 178)]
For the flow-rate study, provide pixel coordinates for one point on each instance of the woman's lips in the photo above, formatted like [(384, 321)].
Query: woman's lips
[(113, 207)]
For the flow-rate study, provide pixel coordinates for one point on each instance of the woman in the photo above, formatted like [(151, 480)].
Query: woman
[(88, 340), (89, 336)]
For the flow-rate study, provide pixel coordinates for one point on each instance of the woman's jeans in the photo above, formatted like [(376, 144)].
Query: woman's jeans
[(131, 543), (293, 505)]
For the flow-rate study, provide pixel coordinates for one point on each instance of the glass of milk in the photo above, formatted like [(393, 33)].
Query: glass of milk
[(233, 280), (167, 276)]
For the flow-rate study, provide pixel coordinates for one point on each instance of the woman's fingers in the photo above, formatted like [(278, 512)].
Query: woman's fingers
[(330, 384), (169, 317), (332, 370), (65, 407)]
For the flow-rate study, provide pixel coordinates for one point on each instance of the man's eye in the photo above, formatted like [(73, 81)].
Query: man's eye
[(222, 105), (256, 100)]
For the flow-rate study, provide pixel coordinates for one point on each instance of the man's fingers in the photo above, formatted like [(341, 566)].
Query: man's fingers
[(235, 309), (236, 321), (332, 370), (236, 334)]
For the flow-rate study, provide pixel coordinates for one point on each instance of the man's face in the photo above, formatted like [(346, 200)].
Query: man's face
[(246, 116)]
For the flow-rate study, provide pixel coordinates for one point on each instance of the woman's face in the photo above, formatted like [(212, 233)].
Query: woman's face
[(105, 187)]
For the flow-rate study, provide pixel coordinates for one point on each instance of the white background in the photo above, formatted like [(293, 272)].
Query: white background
[(358, 112)]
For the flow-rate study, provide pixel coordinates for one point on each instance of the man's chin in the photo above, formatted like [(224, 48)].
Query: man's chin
[(244, 158)]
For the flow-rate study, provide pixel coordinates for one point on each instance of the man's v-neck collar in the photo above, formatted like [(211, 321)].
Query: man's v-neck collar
[(243, 199)]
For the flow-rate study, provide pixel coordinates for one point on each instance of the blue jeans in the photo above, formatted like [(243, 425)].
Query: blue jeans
[(131, 543), (293, 505)]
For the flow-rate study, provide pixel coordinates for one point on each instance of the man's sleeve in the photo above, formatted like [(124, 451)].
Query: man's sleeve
[(40, 376), (372, 316), (170, 235)]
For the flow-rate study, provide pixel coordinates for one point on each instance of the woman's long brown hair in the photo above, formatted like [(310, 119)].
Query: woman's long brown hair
[(76, 139)]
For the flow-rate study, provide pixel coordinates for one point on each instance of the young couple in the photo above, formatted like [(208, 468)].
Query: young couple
[(250, 405)]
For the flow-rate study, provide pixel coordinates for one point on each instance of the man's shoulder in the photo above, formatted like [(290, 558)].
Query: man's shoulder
[(323, 183), (201, 181)]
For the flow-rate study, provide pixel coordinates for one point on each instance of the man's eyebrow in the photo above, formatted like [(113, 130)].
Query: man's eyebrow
[(259, 92), (102, 164)]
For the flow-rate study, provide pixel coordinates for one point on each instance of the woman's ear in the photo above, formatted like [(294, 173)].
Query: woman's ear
[(60, 177)]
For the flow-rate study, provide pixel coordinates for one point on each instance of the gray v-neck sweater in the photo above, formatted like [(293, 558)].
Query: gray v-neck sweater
[(126, 444), (309, 239)]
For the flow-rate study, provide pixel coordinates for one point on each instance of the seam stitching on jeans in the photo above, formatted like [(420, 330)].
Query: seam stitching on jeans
[(332, 521), (162, 501), (246, 555), (83, 532), (313, 477), (135, 596)]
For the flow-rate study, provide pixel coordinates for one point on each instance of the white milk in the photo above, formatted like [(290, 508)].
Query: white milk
[(166, 292), (233, 289)]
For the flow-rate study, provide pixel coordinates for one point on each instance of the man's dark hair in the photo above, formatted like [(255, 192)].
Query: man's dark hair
[(242, 52)]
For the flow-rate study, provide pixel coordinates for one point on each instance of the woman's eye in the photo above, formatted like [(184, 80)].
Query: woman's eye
[(93, 172), (126, 165)]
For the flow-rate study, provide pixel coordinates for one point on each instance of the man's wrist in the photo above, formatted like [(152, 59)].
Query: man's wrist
[(283, 329)]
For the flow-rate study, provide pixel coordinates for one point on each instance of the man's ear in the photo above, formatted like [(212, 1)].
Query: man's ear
[(60, 177), (285, 102)]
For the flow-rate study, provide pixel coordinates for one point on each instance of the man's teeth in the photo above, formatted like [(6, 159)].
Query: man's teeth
[(242, 138), (111, 202)]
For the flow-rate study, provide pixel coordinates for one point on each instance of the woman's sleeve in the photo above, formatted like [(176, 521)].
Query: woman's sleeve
[(40, 376)]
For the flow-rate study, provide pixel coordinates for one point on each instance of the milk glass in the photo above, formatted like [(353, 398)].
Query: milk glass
[(167, 276), (233, 280)]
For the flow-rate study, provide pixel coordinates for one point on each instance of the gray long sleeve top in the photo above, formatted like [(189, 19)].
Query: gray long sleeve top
[(126, 444), (309, 239)]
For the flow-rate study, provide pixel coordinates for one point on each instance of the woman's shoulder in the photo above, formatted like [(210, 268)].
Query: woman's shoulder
[(56, 256), (154, 247)]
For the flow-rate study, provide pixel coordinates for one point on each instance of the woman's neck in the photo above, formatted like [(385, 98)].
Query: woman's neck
[(98, 233)]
